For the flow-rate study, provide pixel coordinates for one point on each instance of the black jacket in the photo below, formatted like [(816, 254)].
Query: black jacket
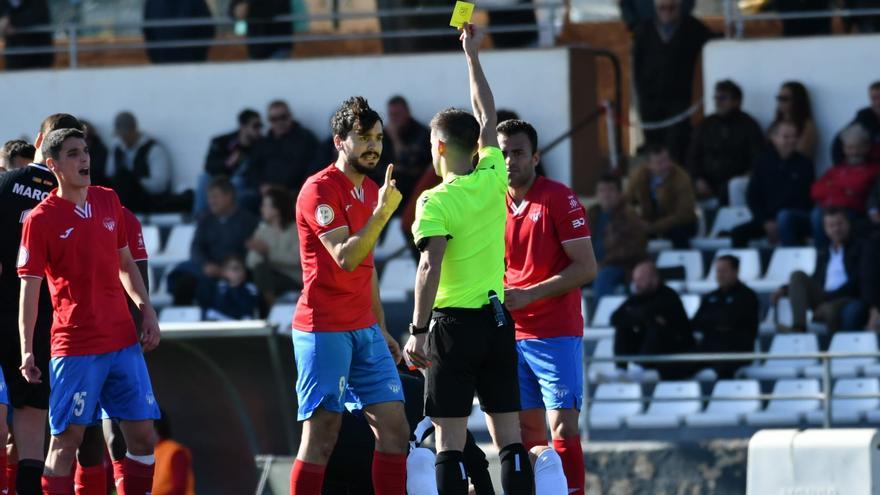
[(177, 9), (853, 250), (650, 324), (871, 122), (260, 13), (285, 160), (870, 271), (215, 239), (765, 194), (28, 14), (218, 161), (728, 320)]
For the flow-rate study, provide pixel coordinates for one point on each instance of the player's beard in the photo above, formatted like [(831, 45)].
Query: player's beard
[(362, 169)]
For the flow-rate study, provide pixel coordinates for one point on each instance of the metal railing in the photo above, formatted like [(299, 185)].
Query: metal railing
[(735, 19), (74, 46), (825, 359)]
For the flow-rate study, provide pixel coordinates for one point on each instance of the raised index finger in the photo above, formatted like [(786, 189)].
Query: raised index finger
[(388, 172)]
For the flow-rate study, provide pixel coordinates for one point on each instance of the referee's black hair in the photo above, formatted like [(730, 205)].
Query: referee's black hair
[(355, 114), (17, 148), (53, 143), (60, 121), (458, 128), (510, 127)]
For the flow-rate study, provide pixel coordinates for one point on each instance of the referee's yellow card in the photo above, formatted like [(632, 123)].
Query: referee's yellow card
[(462, 14)]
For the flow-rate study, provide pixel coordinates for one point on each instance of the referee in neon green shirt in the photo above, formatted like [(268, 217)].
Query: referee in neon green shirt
[(467, 343)]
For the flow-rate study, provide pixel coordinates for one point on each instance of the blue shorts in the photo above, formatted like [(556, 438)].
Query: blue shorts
[(335, 368), (551, 373), (4, 392), (116, 381)]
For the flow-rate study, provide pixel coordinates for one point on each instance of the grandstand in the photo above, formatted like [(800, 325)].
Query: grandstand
[(229, 385)]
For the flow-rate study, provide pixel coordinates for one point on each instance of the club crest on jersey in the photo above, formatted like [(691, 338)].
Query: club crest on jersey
[(324, 215), (535, 216), (109, 224)]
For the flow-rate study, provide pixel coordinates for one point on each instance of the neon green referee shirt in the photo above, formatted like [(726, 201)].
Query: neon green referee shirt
[(470, 211)]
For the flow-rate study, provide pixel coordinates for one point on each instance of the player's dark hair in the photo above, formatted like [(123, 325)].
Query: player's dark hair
[(247, 115), (283, 202), (458, 128), (162, 425), (398, 100), (222, 184), (607, 178), (53, 142), (733, 260), (508, 128), (731, 88), (17, 148), (59, 121), (355, 114)]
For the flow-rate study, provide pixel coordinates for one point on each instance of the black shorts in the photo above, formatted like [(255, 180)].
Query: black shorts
[(22, 393), (470, 353)]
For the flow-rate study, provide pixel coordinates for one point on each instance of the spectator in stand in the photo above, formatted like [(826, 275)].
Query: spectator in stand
[(231, 155), (725, 146), (665, 197), (847, 184), (259, 16), (98, 155), (874, 204), (636, 12), (870, 276), (234, 297), (804, 27), (15, 154), (16, 15), (163, 10), (220, 233), (793, 105), (174, 472), (665, 54), (286, 154), (869, 119), (619, 237), (652, 321), (411, 144), (727, 319), (782, 214), (834, 290), (864, 23), (140, 168), (273, 250)]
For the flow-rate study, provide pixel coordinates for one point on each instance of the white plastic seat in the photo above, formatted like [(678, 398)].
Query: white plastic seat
[(749, 270), (783, 263), (800, 343), (691, 260), (729, 404), (659, 245), (180, 314), (610, 415), (848, 342), (671, 402), (727, 218), (787, 412), (281, 315), (398, 279), (394, 241), (604, 370), (691, 303), (852, 410), (604, 309), (152, 240), (177, 247), (165, 219)]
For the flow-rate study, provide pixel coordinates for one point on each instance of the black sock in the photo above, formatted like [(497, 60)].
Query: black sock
[(29, 480), (517, 477), (451, 474), (477, 467)]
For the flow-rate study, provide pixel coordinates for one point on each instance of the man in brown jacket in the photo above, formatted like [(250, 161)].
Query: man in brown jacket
[(619, 237), (664, 195)]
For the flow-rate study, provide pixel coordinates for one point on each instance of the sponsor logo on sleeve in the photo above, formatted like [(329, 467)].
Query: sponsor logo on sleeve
[(23, 256), (578, 223), (324, 215)]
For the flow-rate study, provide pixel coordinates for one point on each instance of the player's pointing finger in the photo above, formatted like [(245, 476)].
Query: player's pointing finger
[(388, 172)]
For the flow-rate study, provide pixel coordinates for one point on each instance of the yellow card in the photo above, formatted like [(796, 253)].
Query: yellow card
[(462, 14)]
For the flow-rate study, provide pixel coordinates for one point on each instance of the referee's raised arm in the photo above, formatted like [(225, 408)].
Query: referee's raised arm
[(482, 101)]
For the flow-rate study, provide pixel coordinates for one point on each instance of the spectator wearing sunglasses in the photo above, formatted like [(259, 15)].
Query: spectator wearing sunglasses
[(793, 105), (285, 155)]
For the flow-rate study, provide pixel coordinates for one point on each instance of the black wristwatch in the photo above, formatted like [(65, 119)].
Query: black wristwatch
[(414, 330)]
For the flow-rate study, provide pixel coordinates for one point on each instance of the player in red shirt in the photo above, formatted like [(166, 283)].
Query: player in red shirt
[(77, 238), (342, 349), (549, 257)]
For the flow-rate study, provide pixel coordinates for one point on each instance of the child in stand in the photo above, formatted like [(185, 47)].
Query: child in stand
[(234, 297)]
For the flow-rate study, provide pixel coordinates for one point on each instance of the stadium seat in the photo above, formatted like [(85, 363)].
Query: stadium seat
[(691, 303), (604, 370), (727, 218), (787, 412), (159, 295), (281, 315), (749, 270), (611, 415), (852, 410), (801, 343), (671, 402), (398, 279), (783, 263), (180, 314), (165, 219), (659, 245), (604, 309), (152, 240), (393, 243), (691, 260), (848, 367), (177, 247), (731, 401)]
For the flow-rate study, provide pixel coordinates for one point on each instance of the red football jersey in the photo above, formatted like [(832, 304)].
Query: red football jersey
[(78, 249), (333, 299), (549, 216), (135, 234)]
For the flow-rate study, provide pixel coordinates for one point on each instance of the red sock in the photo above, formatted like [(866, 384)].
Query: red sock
[(389, 474), (137, 478), (572, 455), (4, 474), (90, 480), (306, 478), (58, 485), (117, 471), (11, 474)]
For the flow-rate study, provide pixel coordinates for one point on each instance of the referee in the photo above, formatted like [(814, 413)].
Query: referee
[(459, 229)]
